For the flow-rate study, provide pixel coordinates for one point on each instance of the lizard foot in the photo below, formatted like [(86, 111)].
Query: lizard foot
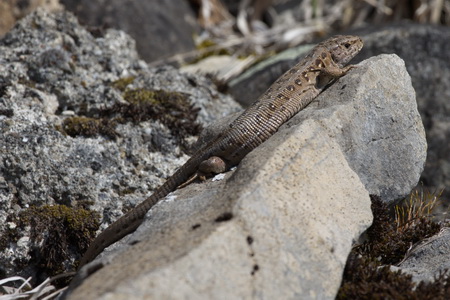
[(207, 168), (211, 166)]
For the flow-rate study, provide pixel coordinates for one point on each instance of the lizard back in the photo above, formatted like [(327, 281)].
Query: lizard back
[(294, 90)]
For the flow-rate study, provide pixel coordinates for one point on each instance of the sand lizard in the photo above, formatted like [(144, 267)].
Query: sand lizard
[(288, 95)]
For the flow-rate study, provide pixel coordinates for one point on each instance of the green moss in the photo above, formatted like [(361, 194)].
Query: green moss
[(89, 127), (27, 82), (58, 233), (173, 109), (122, 83), (145, 97), (365, 279), (205, 44), (127, 191)]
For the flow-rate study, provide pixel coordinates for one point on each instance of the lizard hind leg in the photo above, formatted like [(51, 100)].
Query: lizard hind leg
[(207, 168), (211, 166)]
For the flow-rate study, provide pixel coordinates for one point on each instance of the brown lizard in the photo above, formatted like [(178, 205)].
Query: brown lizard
[(288, 95)]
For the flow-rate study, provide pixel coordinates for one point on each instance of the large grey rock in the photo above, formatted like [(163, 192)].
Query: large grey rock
[(424, 48), (282, 224), (288, 235), (385, 143), (51, 67), (386, 167)]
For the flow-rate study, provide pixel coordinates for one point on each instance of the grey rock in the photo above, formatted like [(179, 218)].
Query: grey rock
[(282, 224), (424, 48), (161, 28), (385, 145), (428, 259), (284, 221), (387, 167), (427, 58), (51, 68)]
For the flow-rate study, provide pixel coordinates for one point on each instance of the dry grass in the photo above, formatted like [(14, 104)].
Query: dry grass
[(368, 274), (44, 291), (420, 204), (256, 28)]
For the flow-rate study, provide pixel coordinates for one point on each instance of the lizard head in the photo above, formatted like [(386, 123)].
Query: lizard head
[(343, 48)]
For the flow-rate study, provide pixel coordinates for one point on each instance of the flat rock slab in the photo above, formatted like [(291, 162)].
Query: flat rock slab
[(282, 224)]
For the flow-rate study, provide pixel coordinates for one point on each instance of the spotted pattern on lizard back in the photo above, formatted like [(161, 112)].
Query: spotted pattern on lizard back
[(287, 96)]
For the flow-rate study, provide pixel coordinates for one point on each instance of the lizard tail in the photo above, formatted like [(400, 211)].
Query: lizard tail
[(132, 219)]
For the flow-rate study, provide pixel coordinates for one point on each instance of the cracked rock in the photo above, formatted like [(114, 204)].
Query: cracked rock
[(281, 225)]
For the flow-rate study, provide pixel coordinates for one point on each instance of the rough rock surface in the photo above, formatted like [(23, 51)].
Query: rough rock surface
[(282, 224), (387, 169), (51, 68), (283, 221), (428, 259), (161, 28), (427, 58)]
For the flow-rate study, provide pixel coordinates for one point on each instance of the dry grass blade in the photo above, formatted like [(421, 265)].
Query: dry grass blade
[(420, 204), (44, 291), (258, 28)]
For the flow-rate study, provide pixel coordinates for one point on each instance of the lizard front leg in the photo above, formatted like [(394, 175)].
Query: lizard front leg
[(328, 67), (328, 71), (333, 70)]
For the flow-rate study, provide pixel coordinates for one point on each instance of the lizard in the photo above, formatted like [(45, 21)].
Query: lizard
[(289, 94)]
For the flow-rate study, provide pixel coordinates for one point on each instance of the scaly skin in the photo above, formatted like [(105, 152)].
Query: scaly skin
[(294, 90)]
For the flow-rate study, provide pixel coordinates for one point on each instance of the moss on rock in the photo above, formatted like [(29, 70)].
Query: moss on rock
[(89, 127), (368, 275), (57, 232)]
